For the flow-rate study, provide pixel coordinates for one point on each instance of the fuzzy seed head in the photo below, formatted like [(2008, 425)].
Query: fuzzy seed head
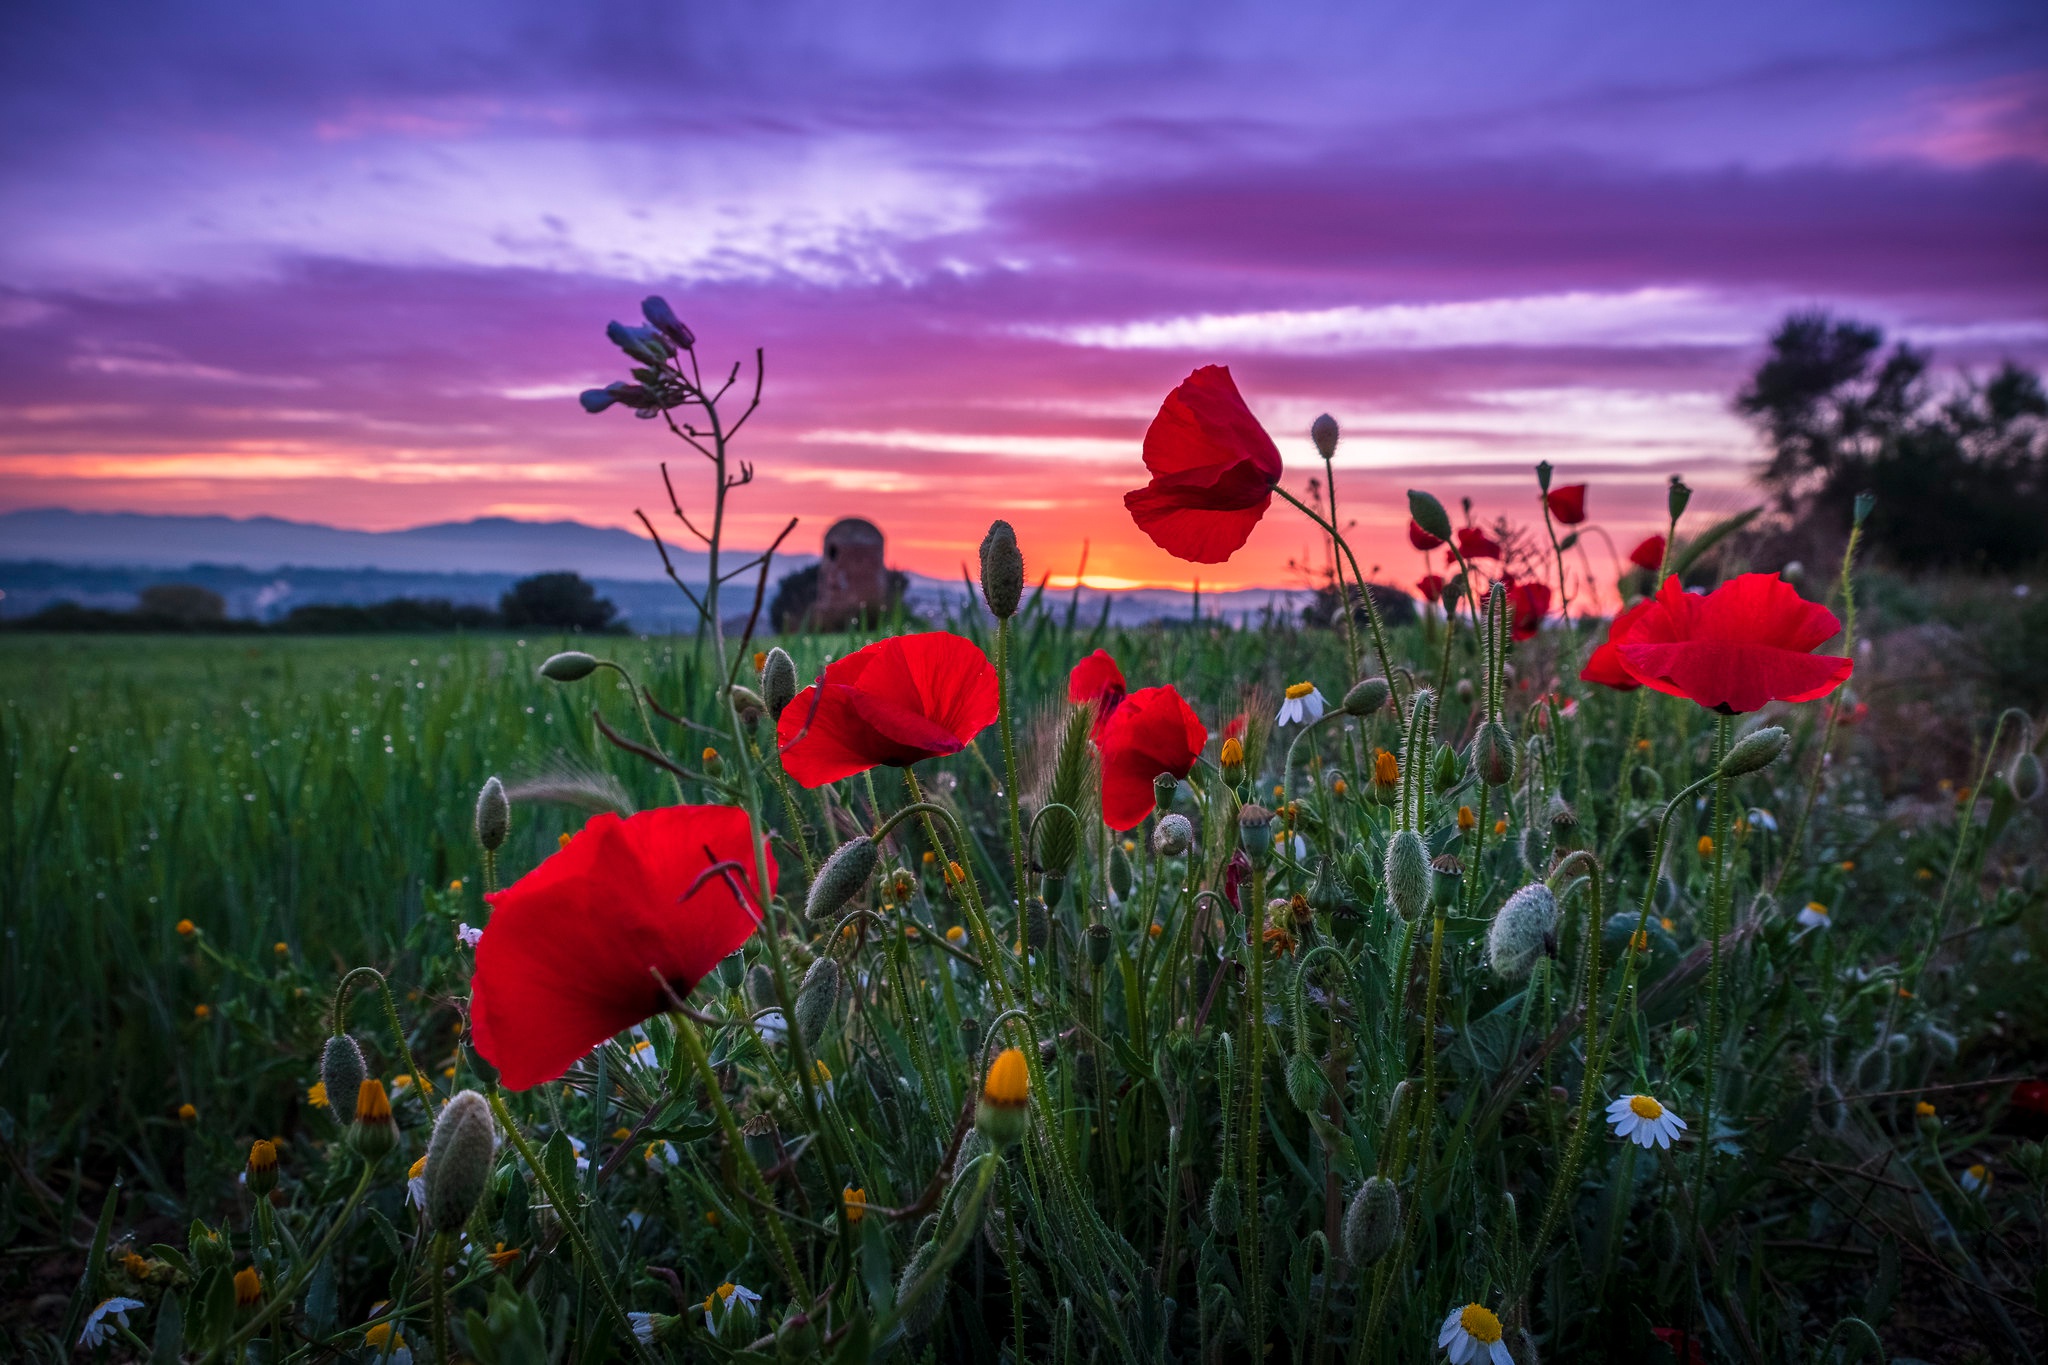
[(1323, 431), (1172, 836), (1372, 1222), (493, 815), (459, 1158), (842, 877)]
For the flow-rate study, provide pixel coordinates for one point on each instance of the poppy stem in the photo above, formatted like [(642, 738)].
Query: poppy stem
[(341, 994), (1372, 608), (1005, 709), (1716, 918), (1827, 742), (1255, 1038)]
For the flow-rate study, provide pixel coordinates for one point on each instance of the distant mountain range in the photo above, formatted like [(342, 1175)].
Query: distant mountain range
[(265, 566)]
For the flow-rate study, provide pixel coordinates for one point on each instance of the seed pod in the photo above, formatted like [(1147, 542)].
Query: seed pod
[(1409, 878), (1255, 831), (1519, 930), (1052, 889), (842, 877), (1493, 754), (1679, 496), (1366, 697), (1095, 939), (459, 1159), (342, 1072), (1163, 787), (778, 681), (493, 815), (1305, 1083), (1226, 1208), (1002, 571), (760, 1138), (2024, 777), (571, 665), (817, 1000), (1753, 751), (1172, 836), (1561, 814), (1372, 1222), (918, 1316), (1323, 431)]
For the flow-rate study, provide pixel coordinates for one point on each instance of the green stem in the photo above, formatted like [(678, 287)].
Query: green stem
[(1006, 707), (279, 1301), (1372, 610), (1254, 1283), (341, 994), (1717, 919)]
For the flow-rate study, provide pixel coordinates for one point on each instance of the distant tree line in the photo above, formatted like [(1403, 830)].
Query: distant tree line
[(549, 601)]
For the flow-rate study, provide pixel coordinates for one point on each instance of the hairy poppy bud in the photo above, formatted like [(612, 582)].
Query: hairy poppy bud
[(1095, 940), (1409, 878), (760, 987), (1255, 831), (1444, 767), (1002, 571), (1366, 697), (761, 1138), (261, 1172), (459, 1160), (1493, 754), (342, 1072), (918, 1316), (493, 819), (1002, 1114), (778, 681), (373, 1134), (1561, 813), (817, 1000), (842, 877), (1172, 836), (1226, 1208), (1520, 929), (1037, 924), (571, 665), (1758, 749), (2024, 777), (1429, 514), (1305, 1083), (1323, 431), (663, 319), (1372, 1222)]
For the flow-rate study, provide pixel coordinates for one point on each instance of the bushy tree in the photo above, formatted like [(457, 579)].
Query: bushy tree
[(557, 601)]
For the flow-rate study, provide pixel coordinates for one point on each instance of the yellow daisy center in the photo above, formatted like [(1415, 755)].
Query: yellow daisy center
[(1817, 908), (1479, 1323), (725, 1290), (1300, 690), (1643, 1107)]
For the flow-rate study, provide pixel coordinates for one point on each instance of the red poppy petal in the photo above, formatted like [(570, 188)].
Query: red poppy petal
[(1605, 666), (1763, 606), (1421, 539), (1186, 529), (1203, 424), (1649, 554), (1093, 677), (1154, 731), (1568, 504), (897, 701), (1733, 677)]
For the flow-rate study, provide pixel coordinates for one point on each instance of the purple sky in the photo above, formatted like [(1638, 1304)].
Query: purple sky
[(353, 267)]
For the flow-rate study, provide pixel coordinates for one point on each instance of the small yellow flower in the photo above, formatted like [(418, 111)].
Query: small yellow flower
[(316, 1094), (1386, 769), (847, 933), (262, 1157), (910, 931), (1666, 922), (1923, 1110), (248, 1286), (448, 1072), (1640, 940), (621, 1134), (1233, 753), (1157, 929), (1925, 874), (1339, 787), (417, 1169), (820, 1073), (281, 949), (376, 1337), (956, 934), (856, 1203), (135, 1266), (1642, 746), (1500, 827), (760, 659), (1130, 846), (373, 1105), (1705, 846), (1009, 1079), (186, 928), (711, 1218), (1467, 820), (930, 857), (709, 753), (1848, 865), (1279, 791), (955, 874), (562, 840), (503, 1257), (202, 1011), (401, 1080)]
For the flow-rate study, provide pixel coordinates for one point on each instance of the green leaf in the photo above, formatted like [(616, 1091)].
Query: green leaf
[(169, 1343), (171, 1257), (558, 1161)]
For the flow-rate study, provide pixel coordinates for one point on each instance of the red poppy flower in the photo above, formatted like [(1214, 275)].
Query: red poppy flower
[(1431, 586), (1234, 727), (1648, 555), (2031, 1096), (1236, 873), (1683, 1347), (568, 957), (1747, 643), (1097, 679), (1568, 504), (1530, 603), (1474, 543), (1153, 732), (1213, 470), (1421, 539), (1604, 666), (902, 699)]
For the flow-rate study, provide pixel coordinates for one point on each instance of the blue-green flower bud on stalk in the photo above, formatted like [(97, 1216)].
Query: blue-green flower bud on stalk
[(1052, 889), (1864, 505), (1305, 1083), (1323, 431), (1493, 754), (2024, 777), (778, 681), (817, 1000), (1753, 751), (842, 877), (1002, 571), (641, 343), (1429, 514), (1226, 1206), (1519, 930), (663, 319), (1678, 497), (1095, 939), (1172, 836), (1366, 697), (342, 1072), (459, 1159), (493, 815), (1372, 1222), (571, 665), (1543, 475), (1255, 831), (1409, 878)]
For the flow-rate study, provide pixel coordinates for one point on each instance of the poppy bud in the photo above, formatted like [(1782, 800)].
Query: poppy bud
[(817, 1000), (760, 988), (1493, 754), (1002, 571), (1865, 503), (1002, 1114), (1172, 836), (778, 681), (342, 1072), (262, 1169), (1679, 496), (373, 1134), (1519, 930), (1163, 788), (1323, 431), (1753, 751), (1119, 875), (1095, 939), (1226, 1208), (2024, 777), (842, 877), (1372, 1221), (1305, 1083), (493, 821), (571, 665), (1409, 878), (747, 702), (920, 1315), (1366, 697), (1255, 831), (1445, 768), (1561, 814), (459, 1159), (1543, 475), (1037, 924), (663, 319), (1429, 514)]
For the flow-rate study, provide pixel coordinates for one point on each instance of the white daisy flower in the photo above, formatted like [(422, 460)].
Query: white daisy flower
[(1763, 820), (1303, 705), (642, 1054), (1975, 1180), (467, 936), (576, 1145), (416, 1185), (1471, 1334), (649, 1328), (772, 1027), (1814, 916), (661, 1155), (1642, 1120), (97, 1328), (726, 1300)]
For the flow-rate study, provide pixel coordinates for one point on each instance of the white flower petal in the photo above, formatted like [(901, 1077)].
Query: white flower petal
[(1501, 1354), (1450, 1328)]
